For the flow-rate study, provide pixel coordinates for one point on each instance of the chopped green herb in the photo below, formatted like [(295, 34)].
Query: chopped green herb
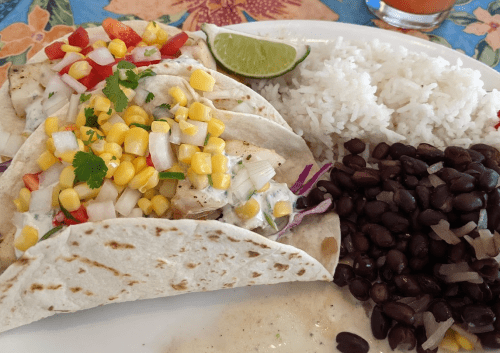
[(91, 134), (90, 168), (125, 65), (210, 182), (250, 194), (90, 118), (84, 97), (51, 94), (171, 175), (146, 73), (67, 214), (248, 157), (270, 221), (150, 97), (164, 106), (110, 111), (239, 101), (114, 158), (145, 127), (149, 52), (206, 139), (154, 23), (278, 336), (113, 91), (240, 162), (50, 232)]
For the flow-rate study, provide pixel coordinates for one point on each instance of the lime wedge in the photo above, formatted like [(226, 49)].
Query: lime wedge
[(253, 56)]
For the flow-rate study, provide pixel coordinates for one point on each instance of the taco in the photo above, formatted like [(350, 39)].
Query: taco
[(131, 174)]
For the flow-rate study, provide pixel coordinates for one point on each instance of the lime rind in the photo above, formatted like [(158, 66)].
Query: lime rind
[(268, 58)]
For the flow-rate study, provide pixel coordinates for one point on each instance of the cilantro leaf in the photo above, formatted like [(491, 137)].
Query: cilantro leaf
[(164, 106), (90, 118), (154, 23), (142, 126), (90, 168), (84, 97), (110, 111), (150, 97), (51, 94), (146, 73), (149, 52), (132, 80), (126, 65), (113, 91)]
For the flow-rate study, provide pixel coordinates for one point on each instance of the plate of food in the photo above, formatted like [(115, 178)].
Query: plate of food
[(111, 200)]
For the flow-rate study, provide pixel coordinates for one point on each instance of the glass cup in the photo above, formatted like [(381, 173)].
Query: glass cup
[(413, 14)]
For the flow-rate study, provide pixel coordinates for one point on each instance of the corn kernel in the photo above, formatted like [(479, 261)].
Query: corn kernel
[(215, 127), (136, 119), (186, 152), (124, 173), (81, 120), (102, 104), (106, 127), (199, 111), (51, 125), (27, 238), (219, 163), (67, 177), (201, 163), (129, 92), (160, 126), (281, 209), (248, 210), (188, 128), (160, 204), (85, 192), (118, 48), (25, 196), (99, 44), (113, 148), (463, 341), (111, 162), (448, 342), (178, 95), (46, 160), (150, 193), (67, 156), (50, 145), (134, 110), (264, 188), (149, 35), (81, 146), (181, 113), (128, 157), (197, 180), (215, 145), (102, 118), (142, 44), (202, 80), (79, 69), (146, 179), (161, 36), (55, 195), (70, 48), (139, 164), (136, 141), (117, 133), (170, 121), (69, 199), (21, 206), (145, 205), (176, 168), (221, 181)]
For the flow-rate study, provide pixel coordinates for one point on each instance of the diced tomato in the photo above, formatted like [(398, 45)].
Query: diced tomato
[(71, 127), (31, 181), (149, 161), (101, 70), (92, 79), (80, 215), (79, 38), (65, 69), (54, 51), (172, 46), (165, 57), (86, 50), (116, 29)]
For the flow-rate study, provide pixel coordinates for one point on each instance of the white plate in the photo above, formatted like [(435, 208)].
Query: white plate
[(279, 318)]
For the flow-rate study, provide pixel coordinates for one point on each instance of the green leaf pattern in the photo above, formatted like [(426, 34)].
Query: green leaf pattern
[(60, 12), (485, 53)]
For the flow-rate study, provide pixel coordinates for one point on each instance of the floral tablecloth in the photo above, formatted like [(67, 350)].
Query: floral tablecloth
[(26, 26)]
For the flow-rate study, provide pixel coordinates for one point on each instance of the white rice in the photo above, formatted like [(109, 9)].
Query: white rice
[(378, 93)]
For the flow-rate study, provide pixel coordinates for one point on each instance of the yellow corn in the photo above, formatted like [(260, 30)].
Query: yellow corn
[(139, 164), (127, 157), (463, 341), (176, 168), (67, 156), (197, 180), (80, 118), (160, 126), (161, 37), (170, 121), (219, 163), (215, 127), (102, 118), (160, 204), (168, 188), (25, 196), (67, 177), (124, 173), (248, 210), (146, 179), (118, 48), (84, 130), (199, 111), (129, 92), (27, 238), (142, 44), (81, 146), (137, 119), (265, 187), (181, 113), (221, 181), (102, 104), (149, 35), (70, 48), (150, 193), (113, 148), (186, 152), (46, 160), (117, 133), (99, 44), (21, 206), (51, 125), (448, 342), (55, 196), (106, 127), (85, 192), (201, 163), (215, 145), (50, 145), (178, 95), (79, 69), (188, 128), (69, 199), (136, 141), (111, 162), (145, 205), (134, 110), (281, 209), (202, 80)]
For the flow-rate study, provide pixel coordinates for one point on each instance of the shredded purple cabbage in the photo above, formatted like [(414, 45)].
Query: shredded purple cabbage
[(307, 187), (302, 178), (4, 166)]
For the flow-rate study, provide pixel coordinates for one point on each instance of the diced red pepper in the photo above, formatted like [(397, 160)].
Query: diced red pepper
[(79, 38), (31, 181), (54, 51), (172, 46), (116, 29), (80, 215), (149, 161), (86, 50)]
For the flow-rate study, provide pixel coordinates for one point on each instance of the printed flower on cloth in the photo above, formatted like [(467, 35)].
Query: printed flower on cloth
[(225, 12), (487, 24), (411, 32), (18, 37)]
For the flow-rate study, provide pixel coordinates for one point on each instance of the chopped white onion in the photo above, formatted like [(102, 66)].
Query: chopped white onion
[(148, 53), (127, 201), (77, 86), (51, 175), (478, 246), (140, 96), (101, 56), (13, 145), (197, 139), (135, 213), (99, 211), (65, 141), (69, 58), (442, 229), (175, 134), (465, 229), (436, 167), (486, 238), (108, 192), (241, 185), (162, 155), (260, 172), (434, 331), (435, 180), (57, 86), (74, 101), (54, 103), (41, 200), (100, 36), (115, 118), (35, 115)]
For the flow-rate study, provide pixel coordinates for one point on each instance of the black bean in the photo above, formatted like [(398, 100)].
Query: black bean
[(494, 197), (475, 156), (442, 198), (342, 179), (477, 166), (316, 196), (458, 252), (402, 245), (488, 180), (380, 323), (371, 193), (379, 235), (474, 173), (386, 274), (303, 203), (354, 161), (347, 241), (359, 206), (495, 290), (423, 196), (408, 285), (477, 315), (364, 266), (437, 248), (392, 185), (390, 172), (457, 157), (388, 163), (366, 177), (379, 292), (405, 200), (402, 335), (419, 245), (441, 310), (413, 166), (398, 149), (487, 268), (496, 310), (360, 288), (490, 339), (473, 291), (417, 263), (467, 202), (396, 261), (470, 216), (400, 312), (429, 153), (421, 338), (489, 152), (381, 151), (429, 284), (410, 181), (395, 222), (431, 217), (448, 174), (360, 242), (344, 206), (451, 290), (343, 275), (490, 163), (329, 188), (348, 342), (464, 183), (355, 146)]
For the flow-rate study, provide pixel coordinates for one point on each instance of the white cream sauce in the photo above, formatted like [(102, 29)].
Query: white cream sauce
[(39, 221)]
